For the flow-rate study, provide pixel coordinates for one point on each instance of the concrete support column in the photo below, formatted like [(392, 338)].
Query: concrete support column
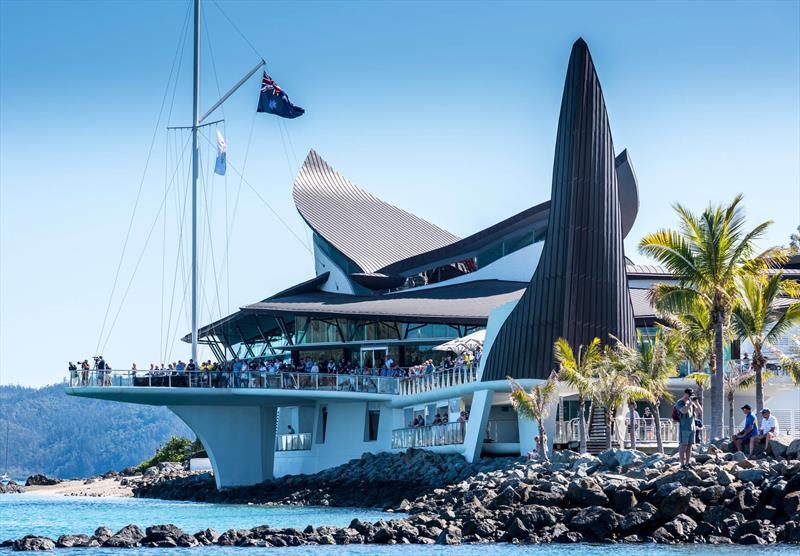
[(240, 441), (476, 426), (528, 429)]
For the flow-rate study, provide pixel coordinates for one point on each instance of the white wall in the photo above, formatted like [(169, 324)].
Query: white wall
[(338, 281), (239, 440)]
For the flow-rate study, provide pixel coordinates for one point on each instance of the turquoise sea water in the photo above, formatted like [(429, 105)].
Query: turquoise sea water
[(53, 516)]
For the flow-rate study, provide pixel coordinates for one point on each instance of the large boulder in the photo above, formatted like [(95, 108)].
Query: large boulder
[(595, 522), (127, 537), (793, 450), (755, 476), (73, 541), (41, 480), (676, 502), (207, 537), (33, 542), (586, 492), (791, 503), (779, 447)]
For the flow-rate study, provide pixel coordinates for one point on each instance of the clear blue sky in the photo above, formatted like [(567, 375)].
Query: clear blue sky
[(448, 110)]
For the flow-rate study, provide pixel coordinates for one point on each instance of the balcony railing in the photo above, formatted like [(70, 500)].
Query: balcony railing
[(369, 384), (293, 442), (436, 380), (428, 436)]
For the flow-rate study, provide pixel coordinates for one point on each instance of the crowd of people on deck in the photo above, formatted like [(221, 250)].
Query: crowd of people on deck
[(214, 373)]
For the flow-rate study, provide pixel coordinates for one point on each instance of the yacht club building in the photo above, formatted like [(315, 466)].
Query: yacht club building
[(392, 286)]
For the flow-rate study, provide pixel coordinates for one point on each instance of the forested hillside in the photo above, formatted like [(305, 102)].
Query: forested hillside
[(64, 436)]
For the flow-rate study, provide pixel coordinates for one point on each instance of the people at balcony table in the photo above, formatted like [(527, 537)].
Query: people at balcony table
[(180, 366), (290, 430), (767, 430), (191, 366), (687, 409), (749, 430)]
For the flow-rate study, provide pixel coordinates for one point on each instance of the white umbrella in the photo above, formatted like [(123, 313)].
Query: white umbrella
[(470, 342)]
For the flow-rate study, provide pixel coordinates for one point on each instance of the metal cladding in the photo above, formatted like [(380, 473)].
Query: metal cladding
[(579, 289), (368, 231)]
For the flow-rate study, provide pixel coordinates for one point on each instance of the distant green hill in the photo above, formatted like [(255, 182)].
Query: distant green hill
[(64, 436)]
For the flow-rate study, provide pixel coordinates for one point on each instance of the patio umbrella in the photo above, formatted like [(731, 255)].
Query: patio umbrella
[(467, 343)]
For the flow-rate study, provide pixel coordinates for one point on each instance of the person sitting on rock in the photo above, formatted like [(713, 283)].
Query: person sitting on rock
[(749, 430), (767, 430)]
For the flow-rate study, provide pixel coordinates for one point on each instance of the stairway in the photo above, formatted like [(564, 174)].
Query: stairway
[(596, 442)]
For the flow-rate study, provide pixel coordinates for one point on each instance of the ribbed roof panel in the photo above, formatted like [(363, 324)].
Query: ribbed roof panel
[(368, 231)]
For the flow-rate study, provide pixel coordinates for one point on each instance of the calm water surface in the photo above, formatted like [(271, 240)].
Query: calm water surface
[(52, 516)]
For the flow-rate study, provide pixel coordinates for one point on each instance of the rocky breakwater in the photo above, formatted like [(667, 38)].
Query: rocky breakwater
[(375, 480), (618, 496)]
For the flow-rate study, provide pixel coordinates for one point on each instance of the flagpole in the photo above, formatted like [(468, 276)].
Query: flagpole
[(195, 167)]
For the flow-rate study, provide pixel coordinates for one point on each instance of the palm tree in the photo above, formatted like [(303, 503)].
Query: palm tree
[(791, 363), (614, 384), (534, 405), (707, 254), (578, 371), (736, 379), (652, 363), (760, 319)]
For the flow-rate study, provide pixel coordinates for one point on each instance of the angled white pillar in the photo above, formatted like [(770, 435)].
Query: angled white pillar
[(476, 425), (240, 440)]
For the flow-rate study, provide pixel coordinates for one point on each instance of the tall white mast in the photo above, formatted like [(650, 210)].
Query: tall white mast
[(195, 168)]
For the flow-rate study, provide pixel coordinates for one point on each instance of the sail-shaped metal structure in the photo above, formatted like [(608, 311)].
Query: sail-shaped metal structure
[(579, 289)]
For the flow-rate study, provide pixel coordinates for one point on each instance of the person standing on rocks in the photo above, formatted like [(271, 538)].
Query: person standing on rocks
[(687, 409)]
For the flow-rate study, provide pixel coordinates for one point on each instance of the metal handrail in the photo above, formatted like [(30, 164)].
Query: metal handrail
[(285, 380), (430, 435)]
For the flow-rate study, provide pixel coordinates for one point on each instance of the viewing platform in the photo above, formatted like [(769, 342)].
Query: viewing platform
[(161, 380)]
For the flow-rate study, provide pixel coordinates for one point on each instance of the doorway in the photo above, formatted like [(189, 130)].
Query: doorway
[(372, 357)]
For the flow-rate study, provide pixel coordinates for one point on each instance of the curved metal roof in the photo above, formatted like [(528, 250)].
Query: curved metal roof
[(368, 231)]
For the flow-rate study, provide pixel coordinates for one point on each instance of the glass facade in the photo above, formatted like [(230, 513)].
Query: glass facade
[(484, 258)]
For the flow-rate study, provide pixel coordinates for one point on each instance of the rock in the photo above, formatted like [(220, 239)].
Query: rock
[(676, 502), (127, 537), (73, 541), (793, 450), (450, 535), (751, 539), (207, 537), (791, 503), (624, 501), (587, 461), (755, 476), (723, 477), (586, 492), (101, 534), (595, 522), (517, 530), (187, 541), (41, 480), (608, 458), (33, 542), (637, 520)]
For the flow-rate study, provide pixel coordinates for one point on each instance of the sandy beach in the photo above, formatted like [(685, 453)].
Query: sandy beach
[(97, 487)]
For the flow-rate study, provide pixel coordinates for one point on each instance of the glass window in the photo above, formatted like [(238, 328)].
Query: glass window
[(371, 428), (490, 254), (517, 243)]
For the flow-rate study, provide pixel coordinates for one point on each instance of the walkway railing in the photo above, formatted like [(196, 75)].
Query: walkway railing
[(293, 442), (227, 379), (644, 430), (438, 379), (431, 435)]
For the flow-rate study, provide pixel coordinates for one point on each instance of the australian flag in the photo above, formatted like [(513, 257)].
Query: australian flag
[(274, 101)]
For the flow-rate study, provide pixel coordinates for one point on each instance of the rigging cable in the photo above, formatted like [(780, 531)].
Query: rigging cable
[(274, 212), (181, 40), (136, 267)]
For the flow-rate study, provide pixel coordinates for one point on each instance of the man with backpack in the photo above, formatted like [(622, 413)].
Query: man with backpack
[(686, 410)]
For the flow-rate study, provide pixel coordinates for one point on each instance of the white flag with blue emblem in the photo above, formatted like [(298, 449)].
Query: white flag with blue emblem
[(222, 151)]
